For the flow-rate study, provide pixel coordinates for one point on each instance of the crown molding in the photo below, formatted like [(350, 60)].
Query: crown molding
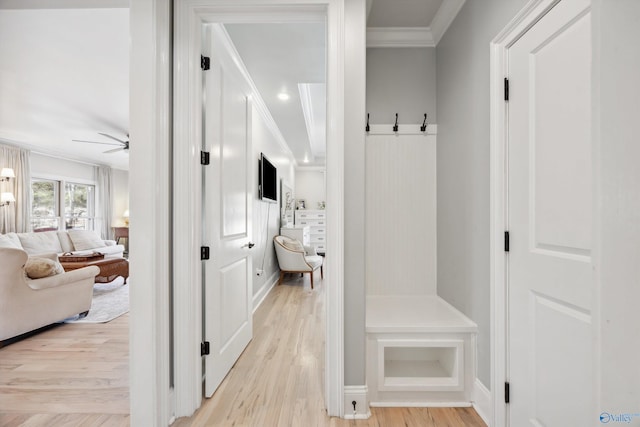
[(400, 37), (416, 36), (444, 17)]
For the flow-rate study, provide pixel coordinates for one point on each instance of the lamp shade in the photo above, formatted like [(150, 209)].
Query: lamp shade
[(7, 173), (7, 198)]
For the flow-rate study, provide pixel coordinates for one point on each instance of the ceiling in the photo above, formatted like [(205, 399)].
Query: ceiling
[(64, 74)]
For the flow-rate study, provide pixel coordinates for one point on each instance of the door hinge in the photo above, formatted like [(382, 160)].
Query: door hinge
[(506, 241), (204, 252), (506, 89), (205, 158), (506, 392), (205, 348), (205, 62)]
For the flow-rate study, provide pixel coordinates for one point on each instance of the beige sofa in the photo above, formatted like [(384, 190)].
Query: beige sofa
[(73, 241), (28, 304)]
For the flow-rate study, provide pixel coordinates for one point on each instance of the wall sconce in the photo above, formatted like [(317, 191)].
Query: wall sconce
[(6, 174), (125, 215), (6, 199)]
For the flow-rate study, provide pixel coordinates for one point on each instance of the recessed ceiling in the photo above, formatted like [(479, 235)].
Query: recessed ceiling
[(279, 58)]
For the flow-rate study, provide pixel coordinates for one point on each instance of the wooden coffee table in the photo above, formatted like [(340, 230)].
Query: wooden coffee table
[(110, 268)]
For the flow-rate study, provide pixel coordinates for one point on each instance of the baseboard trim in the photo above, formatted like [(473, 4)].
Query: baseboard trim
[(262, 293), (420, 404), (482, 401), (358, 394)]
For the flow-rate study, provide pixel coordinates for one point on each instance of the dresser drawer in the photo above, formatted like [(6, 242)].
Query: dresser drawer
[(318, 229), (309, 214), (318, 238), (320, 248), (311, 222)]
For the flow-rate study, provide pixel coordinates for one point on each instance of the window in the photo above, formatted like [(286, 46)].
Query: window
[(60, 205), (45, 205), (79, 203)]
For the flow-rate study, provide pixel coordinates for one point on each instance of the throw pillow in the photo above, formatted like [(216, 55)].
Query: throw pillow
[(37, 268), (293, 245), (37, 243), (85, 239)]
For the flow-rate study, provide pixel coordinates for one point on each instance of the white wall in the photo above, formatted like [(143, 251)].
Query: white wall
[(43, 166), (616, 105), (463, 163), (266, 216), (310, 185), (403, 81)]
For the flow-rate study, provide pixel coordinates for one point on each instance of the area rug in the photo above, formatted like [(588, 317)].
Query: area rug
[(110, 301)]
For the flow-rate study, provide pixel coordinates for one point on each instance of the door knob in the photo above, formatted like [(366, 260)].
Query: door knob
[(248, 245)]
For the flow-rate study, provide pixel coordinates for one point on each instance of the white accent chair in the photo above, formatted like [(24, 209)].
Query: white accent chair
[(298, 259), (28, 304)]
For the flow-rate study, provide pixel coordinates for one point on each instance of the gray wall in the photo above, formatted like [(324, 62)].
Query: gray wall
[(616, 105), (354, 207), (463, 163), (403, 81)]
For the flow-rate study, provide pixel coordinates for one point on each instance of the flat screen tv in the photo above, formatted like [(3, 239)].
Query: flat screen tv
[(267, 185)]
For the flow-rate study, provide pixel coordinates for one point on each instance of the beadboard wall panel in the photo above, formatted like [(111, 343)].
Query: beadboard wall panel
[(401, 214)]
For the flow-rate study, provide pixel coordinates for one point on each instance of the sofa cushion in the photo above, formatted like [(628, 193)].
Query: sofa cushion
[(37, 243), (10, 240), (85, 239), (37, 268), (65, 241)]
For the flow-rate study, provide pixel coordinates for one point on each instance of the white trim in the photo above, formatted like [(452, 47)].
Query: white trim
[(531, 12), (259, 297), (400, 37), (150, 158), (358, 394), (481, 398), (334, 334), (310, 168), (425, 404), (187, 184), (447, 12), (432, 129)]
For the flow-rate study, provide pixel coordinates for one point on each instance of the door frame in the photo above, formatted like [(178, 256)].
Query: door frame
[(189, 15), (498, 196)]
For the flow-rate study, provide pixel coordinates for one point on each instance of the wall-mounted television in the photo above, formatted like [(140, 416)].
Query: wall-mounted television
[(268, 181)]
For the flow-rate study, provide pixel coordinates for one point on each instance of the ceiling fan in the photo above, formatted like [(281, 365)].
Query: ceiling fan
[(122, 145)]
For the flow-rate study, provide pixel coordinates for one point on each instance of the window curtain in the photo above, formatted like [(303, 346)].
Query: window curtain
[(104, 202), (17, 216)]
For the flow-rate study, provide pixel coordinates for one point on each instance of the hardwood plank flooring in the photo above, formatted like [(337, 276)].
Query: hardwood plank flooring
[(77, 375), (279, 379), (69, 375)]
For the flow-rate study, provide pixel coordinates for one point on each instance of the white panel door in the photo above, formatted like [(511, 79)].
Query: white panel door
[(549, 202), (227, 278)]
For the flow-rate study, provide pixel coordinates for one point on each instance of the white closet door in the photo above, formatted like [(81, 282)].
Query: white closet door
[(550, 205)]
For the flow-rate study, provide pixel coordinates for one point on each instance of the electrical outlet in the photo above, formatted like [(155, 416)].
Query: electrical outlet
[(259, 271)]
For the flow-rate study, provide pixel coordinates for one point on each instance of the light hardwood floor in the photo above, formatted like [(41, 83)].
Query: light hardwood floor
[(77, 375), (278, 380), (69, 375)]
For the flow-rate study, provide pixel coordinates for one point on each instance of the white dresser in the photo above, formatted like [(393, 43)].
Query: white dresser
[(300, 233), (317, 222)]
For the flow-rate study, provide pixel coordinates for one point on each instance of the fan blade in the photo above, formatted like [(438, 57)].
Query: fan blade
[(94, 142), (114, 150), (113, 137)]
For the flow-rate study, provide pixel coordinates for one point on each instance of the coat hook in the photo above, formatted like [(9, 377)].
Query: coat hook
[(423, 128), (367, 128), (395, 127)]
